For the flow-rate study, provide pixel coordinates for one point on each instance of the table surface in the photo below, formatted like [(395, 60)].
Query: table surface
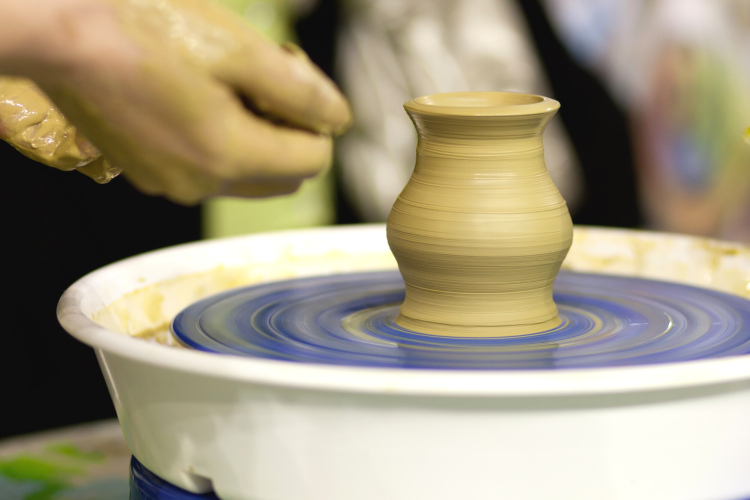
[(85, 462)]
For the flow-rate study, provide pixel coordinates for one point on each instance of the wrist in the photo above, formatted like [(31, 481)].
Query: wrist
[(45, 39), (23, 32)]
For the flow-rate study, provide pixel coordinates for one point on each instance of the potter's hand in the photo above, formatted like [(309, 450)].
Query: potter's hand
[(163, 89)]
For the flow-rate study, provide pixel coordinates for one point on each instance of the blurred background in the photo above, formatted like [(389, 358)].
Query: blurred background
[(655, 101)]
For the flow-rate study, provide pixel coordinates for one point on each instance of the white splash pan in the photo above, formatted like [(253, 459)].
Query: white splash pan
[(273, 430)]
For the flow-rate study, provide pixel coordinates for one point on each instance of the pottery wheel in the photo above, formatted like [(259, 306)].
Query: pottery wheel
[(349, 320)]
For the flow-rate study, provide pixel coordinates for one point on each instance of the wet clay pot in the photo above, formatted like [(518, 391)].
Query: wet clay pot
[(480, 230)]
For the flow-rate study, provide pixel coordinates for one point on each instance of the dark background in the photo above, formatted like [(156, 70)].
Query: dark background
[(58, 226)]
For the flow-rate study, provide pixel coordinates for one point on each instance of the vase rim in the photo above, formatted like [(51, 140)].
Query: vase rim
[(482, 104)]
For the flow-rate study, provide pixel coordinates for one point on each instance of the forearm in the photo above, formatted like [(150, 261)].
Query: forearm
[(42, 39)]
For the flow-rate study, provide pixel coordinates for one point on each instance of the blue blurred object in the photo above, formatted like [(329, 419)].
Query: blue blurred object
[(350, 320), (144, 485)]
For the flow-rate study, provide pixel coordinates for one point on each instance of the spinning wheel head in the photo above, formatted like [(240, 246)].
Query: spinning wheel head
[(351, 320)]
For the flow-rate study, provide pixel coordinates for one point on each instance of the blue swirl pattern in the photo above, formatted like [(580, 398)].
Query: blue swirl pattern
[(349, 320)]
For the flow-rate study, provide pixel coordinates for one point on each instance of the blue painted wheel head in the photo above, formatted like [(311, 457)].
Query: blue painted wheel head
[(349, 320)]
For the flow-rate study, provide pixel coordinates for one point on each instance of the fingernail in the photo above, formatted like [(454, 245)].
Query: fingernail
[(337, 115), (329, 93), (295, 50), (349, 121)]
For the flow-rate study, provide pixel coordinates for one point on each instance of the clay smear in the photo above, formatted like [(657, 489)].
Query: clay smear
[(480, 230)]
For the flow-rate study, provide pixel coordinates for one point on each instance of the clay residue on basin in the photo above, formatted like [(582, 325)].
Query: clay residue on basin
[(146, 313)]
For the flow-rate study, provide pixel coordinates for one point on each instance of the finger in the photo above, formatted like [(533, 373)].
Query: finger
[(284, 83), (273, 153), (154, 187), (187, 188), (251, 158), (100, 170), (143, 182), (183, 184), (254, 189)]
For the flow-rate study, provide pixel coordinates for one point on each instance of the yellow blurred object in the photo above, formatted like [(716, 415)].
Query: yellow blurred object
[(310, 206), (313, 204), (32, 124), (269, 17), (101, 170), (747, 135)]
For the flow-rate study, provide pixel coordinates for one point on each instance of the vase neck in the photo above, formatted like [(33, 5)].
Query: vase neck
[(480, 136), (481, 145)]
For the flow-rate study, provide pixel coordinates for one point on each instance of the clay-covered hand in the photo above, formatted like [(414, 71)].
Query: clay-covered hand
[(182, 95)]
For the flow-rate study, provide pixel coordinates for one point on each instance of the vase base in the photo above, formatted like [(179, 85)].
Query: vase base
[(445, 330)]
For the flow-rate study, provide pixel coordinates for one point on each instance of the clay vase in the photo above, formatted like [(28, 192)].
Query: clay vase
[(480, 230)]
